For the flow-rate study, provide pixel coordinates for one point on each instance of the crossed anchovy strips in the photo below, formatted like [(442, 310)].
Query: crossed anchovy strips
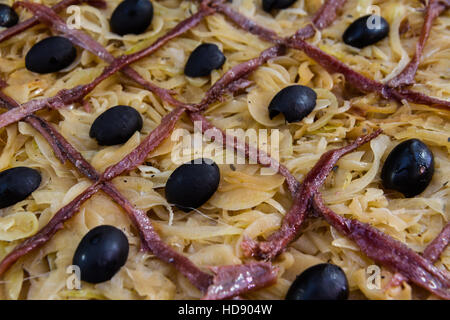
[(227, 281), (433, 10)]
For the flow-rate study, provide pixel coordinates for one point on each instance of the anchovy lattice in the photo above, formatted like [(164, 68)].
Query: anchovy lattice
[(219, 285)]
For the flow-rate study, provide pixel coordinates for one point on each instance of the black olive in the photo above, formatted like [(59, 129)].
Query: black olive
[(204, 59), (131, 16), (116, 125), (294, 102), (323, 281), (408, 168), (50, 55), (16, 184), (192, 184), (364, 32), (268, 5), (8, 17), (101, 253)]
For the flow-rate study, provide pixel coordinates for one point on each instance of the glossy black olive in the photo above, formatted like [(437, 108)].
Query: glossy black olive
[(16, 184), (101, 253), (116, 125), (365, 31), (204, 59), (8, 17), (50, 55), (408, 168), (131, 17), (192, 184), (294, 102), (268, 5), (323, 281)]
